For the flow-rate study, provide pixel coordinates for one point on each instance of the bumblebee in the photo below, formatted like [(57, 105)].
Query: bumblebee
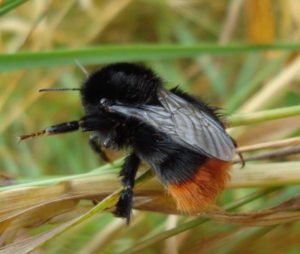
[(180, 137)]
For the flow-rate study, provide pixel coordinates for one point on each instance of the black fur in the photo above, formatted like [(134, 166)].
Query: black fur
[(135, 87), (132, 84)]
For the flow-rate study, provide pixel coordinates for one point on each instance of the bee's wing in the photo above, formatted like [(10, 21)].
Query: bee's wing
[(197, 129), (185, 124)]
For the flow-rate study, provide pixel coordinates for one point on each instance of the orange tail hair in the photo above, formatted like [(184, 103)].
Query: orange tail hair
[(198, 192)]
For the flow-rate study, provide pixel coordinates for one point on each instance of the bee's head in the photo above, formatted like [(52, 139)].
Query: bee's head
[(123, 82)]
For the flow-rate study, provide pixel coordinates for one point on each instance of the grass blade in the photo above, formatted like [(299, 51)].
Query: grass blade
[(188, 225), (108, 54), (10, 5), (262, 116)]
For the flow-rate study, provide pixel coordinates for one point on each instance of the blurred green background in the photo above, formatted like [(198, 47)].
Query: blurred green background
[(245, 81)]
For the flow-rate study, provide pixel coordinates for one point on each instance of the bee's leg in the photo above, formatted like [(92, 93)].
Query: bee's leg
[(128, 172), (95, 144), (239, 154)]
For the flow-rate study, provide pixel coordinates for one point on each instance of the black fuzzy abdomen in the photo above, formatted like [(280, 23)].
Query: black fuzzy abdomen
[(180, 165), (172, 162)]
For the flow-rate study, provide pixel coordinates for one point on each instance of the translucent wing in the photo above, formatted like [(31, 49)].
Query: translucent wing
[(196, 128), (185, 124)]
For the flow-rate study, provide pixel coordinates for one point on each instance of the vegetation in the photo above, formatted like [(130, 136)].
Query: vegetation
[(240, 55)]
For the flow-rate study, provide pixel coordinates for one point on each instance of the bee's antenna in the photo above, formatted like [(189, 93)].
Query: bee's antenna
[(82, 68), (54, 89), (84, 71)]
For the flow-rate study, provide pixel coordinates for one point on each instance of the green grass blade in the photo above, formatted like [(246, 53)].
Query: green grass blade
[(262, 116), (108, 54), (209, 68), (10, 5), (244, 91)]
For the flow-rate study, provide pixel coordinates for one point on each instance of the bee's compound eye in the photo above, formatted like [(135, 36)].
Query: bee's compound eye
[(106, 104), (103, 101)]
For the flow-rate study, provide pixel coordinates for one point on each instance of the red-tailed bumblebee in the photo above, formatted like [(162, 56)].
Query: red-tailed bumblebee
[(181, 138)]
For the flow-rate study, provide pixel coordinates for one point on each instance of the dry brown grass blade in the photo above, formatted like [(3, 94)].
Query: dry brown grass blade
[(58, 203), (32, 217), (31, 206), (271, 144), (28, 245), (151, 196), (92, 187), (274, 154), (32, 243), (231, 21), (265, 174), (273, 89), (172, 243), (271, 130), (286, 212), (16, 199)]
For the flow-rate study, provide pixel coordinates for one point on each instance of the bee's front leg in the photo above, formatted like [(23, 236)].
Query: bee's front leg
[(128, 172)]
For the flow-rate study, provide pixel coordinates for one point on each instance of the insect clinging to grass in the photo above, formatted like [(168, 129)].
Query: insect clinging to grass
[(180, 137)]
